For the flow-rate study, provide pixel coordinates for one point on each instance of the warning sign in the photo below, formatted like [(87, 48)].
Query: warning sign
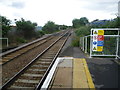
[(99, 48), (95, 32), (98, 40), (100, 37), (95, 37), (94, 42), (94, 48), (100, 32), (100, 43)]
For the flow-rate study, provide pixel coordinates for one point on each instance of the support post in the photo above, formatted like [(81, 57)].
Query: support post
[(83, 43), (117, 45), (86, 44), (91, 44)]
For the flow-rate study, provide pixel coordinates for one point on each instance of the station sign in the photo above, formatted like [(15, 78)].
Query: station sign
[(98, 40)]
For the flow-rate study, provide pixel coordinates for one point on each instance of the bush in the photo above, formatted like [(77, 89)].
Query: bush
[(83, 31), (75, 41), (40, 33), (21, 40)]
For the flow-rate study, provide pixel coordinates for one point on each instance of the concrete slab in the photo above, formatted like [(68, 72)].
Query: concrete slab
[(66, 63), (79, 75), (72, 73), (59, 87), (63, 78)]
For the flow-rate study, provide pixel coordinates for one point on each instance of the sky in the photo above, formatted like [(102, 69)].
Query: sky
[(59, 11)]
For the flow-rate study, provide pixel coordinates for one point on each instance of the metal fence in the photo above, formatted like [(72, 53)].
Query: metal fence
[(111, 45)]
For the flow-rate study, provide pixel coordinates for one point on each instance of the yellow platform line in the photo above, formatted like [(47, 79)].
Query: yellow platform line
[(89, 78), (81, 75)]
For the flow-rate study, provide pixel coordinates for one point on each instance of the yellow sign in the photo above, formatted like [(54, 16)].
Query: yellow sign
[(94, 48), (95, 32), (99, 48), (100, 32)]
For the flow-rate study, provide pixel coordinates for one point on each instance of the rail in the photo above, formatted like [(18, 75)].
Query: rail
[(8, 83)]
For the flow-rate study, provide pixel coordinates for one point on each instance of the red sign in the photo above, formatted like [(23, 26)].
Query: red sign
[(95, 37), (100, 37)]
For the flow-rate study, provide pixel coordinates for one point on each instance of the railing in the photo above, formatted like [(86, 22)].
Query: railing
[(111, 45)]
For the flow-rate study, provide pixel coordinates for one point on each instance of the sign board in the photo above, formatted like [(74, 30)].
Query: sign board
[(98, 40), (100, 37), (100, 32), (95, 35)]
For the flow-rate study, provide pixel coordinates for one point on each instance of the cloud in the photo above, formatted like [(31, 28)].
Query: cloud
[(100, 5), (13, 3), (18, 5)]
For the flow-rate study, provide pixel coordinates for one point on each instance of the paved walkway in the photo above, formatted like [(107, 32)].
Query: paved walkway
[(72, 73), (105, 72)]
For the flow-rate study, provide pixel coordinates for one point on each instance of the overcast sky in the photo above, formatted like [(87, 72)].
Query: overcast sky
[(59, 11)]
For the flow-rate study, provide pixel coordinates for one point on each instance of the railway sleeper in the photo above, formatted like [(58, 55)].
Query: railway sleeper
[(25, 83), (40, 66), (46, 60), (32, 74), (41, 71), (36, 70), (20, 87), (47, 57), (30, 78), (43, 62)]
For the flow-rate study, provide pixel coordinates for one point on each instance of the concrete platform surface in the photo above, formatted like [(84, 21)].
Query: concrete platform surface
[(72, 73)]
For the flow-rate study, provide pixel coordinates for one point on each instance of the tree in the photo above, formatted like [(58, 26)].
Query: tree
[(80, 22), (5, 23), (50, 27), (76, 23), (26, 29), (83, 21)]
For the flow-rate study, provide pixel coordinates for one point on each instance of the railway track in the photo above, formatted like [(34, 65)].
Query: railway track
[(22, 50), (33, 74), (15, 65), (16, 53)]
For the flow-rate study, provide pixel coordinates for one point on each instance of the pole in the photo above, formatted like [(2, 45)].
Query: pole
[(91, 44), (117, 45), (85, 44)]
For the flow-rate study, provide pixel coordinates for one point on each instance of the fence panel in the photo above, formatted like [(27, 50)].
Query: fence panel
[(111, 46)]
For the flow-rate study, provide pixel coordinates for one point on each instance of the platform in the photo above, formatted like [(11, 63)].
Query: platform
[(72, 73)]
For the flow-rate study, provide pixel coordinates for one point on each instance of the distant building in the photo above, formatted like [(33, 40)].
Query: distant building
[(98, 22)]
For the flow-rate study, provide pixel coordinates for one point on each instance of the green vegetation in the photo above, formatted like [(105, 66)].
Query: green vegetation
[(83, 28), (5, 25), (83, 31), (115, 23), (40, 33), (50, 27), (21, 40), (79, 22), (25, 29), (75, 41)]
